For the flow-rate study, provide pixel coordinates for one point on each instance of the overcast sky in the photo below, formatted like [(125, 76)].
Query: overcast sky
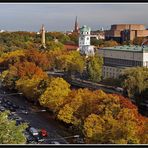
[(61, 17)]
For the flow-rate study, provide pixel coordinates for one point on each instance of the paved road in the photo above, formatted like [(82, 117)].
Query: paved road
[(39, 119)]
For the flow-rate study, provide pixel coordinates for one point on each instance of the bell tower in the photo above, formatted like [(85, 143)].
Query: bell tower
[(84, 41)]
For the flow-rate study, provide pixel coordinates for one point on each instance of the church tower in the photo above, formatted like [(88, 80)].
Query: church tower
[(76, 28), (43, 36), (84, 41)]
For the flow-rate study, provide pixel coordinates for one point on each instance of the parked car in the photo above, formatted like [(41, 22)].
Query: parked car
[(30, 138), (22, 107), (38, 138), (9, 103), (2, 109), (6, 106), (33, 131), (44, 133), (55, 142), (24, 112), (15, 106), (12, 109), (20, 121)]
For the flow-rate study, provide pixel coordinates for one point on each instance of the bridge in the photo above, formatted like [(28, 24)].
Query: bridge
[(86, 84)]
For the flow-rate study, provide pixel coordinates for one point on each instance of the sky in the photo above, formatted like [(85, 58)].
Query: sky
[(61, 16)]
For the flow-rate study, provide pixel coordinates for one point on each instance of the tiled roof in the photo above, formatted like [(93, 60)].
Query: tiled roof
[(70, 47)]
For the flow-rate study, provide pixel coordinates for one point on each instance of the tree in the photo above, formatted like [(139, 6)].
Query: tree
[(103, 118), (24, 70), (30, 87), (138, 40), (55, 93), (135, 81), (9, 132), (55, 46), (71, 62), (38, 57), (96, 42), (74, 37), (12, 57), (94, 68), (110, 43)]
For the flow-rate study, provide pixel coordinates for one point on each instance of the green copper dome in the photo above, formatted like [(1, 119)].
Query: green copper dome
[(85, 29)]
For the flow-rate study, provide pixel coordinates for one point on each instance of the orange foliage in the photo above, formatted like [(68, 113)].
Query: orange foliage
[(39, 58), (28, 69)]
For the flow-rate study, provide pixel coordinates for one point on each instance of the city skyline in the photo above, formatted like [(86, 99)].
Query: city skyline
[(61, 17)]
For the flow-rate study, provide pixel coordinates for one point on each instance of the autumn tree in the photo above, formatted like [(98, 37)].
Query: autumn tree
[(55, 93), (11, 57), (74, 37), (138, 40), (71, 62), (9, 132), (38, 57), (31, 88), (110, 43), (22, 70), (103, 118)]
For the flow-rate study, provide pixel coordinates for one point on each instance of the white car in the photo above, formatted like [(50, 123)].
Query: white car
[(55, 142), (33, 131)]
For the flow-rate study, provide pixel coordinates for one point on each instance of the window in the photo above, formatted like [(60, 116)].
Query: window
[(87, 38)]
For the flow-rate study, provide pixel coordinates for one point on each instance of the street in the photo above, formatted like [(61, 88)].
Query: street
[(39, 119)]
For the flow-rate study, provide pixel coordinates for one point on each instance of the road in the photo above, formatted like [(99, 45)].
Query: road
[(40, 119), (84, 83)]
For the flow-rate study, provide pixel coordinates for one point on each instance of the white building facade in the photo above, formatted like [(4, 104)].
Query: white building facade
[(84, 41), (120, 57)]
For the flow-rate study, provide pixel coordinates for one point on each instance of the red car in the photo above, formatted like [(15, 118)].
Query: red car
[(44, 133)]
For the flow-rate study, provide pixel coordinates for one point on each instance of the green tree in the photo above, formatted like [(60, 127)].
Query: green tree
[(9, 132), (135, 81), (52, 45), (94, 68)]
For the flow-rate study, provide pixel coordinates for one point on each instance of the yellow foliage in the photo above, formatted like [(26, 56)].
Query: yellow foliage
[(54, 95)]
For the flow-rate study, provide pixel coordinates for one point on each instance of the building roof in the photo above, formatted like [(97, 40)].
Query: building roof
[(85, 29), (128, 48), (70, 47)]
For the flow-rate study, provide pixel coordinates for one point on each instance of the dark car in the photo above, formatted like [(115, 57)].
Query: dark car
[(15, 106), (6, 106), (22, 107), (38, 138), (9, 103), (30, 138), (12, 109), (4, 100), (2, 109), (20, 121)]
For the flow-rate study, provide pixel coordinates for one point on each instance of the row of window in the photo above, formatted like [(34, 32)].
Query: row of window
[(121, 62)]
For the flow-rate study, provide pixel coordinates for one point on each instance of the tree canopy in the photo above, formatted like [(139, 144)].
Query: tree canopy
[(9, 132)]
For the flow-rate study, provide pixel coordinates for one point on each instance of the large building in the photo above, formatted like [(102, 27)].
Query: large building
[(120, 57), (126, 32), (84, 41)]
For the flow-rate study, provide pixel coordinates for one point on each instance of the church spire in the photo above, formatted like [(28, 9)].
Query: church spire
[(76, 29)]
